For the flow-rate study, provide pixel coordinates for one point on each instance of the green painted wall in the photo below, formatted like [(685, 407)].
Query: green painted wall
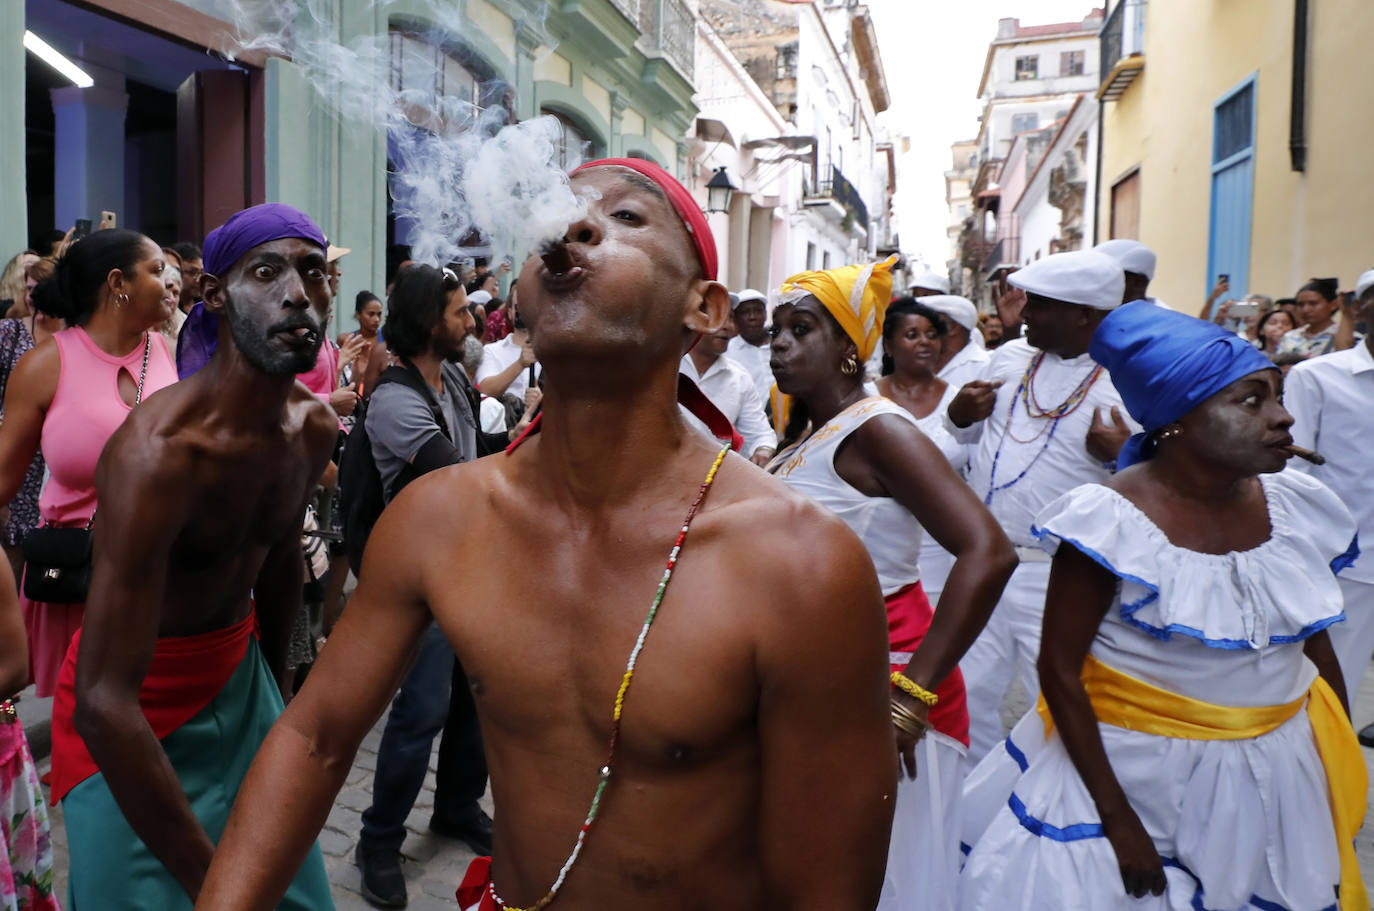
[(338, 173)]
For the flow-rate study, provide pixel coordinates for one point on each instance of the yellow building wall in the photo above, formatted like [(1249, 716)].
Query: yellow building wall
[(1320, 222)]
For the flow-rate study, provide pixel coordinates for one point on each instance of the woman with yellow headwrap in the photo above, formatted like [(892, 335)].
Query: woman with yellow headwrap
[(865, 459)]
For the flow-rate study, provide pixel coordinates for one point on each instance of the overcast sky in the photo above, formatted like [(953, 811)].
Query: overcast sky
[(933, 56)]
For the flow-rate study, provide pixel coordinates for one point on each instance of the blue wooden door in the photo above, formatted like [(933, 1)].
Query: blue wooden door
[(1233, 183)]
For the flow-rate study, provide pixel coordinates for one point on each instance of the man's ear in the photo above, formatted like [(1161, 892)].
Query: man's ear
[(710, 307), (212, 292)]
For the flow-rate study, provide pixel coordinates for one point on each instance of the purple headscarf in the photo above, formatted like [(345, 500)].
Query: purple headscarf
[(224, 246)]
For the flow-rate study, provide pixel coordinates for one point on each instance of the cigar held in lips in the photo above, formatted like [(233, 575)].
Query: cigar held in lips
[(1307, 455)]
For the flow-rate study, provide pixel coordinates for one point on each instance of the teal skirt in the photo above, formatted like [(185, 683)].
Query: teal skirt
[(112, 870)]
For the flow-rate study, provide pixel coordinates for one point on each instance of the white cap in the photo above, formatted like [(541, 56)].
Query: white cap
[(1083, 277), (958, 309), (1132, 255), (926, 277), (480, 297), (1366, 281), (749, 294)]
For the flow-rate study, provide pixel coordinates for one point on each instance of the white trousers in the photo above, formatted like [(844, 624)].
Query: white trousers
[(923, 855), (1353, 640), (1010, 640)]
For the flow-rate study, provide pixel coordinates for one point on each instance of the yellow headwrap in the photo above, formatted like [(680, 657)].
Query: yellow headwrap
[(855, 295)]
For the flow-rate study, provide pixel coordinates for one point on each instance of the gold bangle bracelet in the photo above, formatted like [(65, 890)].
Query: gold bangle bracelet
[(912, 688)]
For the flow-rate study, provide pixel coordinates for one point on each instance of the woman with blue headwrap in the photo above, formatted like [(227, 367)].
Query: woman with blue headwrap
[(1191, 747)]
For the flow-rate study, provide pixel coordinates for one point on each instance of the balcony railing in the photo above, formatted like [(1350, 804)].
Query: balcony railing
[(1006, 252), (630, 8), (839, 189), (1122, 45), (666, 26)]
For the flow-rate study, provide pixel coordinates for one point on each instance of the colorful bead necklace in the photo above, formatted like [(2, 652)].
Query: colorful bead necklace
[(605, 772), (1025, 392)]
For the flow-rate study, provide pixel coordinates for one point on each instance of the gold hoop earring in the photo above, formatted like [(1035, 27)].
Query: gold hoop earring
[(849, 366)]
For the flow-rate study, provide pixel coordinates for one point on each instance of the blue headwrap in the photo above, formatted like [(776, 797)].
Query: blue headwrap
[(224, 246), (1165, 364)]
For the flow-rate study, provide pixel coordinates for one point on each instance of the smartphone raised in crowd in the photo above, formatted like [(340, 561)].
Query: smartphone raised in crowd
[(82, 229)]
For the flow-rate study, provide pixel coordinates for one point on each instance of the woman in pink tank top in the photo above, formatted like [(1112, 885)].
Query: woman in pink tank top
[(72, 392)]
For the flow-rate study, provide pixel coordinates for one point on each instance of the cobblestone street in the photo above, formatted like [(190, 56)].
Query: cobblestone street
[(435, 865)]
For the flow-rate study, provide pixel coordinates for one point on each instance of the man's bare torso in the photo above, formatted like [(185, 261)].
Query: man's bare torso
[(543, 606), (238, 493)]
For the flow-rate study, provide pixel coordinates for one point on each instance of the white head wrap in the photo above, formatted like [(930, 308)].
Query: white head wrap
[(1132, 255), (1083, 277), (1365, 282)]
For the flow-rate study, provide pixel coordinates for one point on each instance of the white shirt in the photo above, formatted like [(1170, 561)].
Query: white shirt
[(966, 366), (1052, 466), (753, 358), (1331, 398), (731, 389), (493, 415), (497, 356)]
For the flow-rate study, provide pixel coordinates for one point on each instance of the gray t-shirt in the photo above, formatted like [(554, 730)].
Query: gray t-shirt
[(400, 423)]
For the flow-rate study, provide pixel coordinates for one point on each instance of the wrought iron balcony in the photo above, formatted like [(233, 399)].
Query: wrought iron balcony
[(1122, 46), (1005, 254), (666, 27), (841, 192)]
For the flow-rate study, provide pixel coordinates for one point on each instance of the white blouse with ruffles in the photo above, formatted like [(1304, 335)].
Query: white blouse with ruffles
[(1239, 823)]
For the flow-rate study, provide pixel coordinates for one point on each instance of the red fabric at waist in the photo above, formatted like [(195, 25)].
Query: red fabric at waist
[(186, 673), (908, 620), (474, 892)]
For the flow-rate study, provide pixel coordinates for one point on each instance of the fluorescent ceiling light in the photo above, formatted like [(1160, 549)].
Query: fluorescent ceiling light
[(53, 58)]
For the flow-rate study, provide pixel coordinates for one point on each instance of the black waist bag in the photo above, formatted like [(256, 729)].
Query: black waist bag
[(57, 565)]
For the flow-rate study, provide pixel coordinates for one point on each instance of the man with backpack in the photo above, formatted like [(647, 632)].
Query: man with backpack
[(420, 417)]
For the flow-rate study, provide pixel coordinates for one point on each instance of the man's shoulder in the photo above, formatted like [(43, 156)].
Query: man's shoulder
[(733, 367), (318, 422), (1015, 354), (1327, 366)]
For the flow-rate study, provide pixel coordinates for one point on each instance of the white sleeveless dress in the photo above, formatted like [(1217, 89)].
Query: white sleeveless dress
[(923, 854)]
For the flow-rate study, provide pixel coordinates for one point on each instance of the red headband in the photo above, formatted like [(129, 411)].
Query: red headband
[(680, 199)]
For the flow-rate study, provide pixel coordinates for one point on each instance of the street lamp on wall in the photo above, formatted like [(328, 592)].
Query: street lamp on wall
[(719, 192)]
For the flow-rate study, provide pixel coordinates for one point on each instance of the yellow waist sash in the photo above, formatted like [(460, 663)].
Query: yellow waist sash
[(1123, 701)]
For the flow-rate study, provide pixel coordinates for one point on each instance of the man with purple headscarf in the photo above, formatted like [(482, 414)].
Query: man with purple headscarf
[(197, 575)]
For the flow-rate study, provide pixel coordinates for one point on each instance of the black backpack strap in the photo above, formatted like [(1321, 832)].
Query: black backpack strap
[(406, 375)]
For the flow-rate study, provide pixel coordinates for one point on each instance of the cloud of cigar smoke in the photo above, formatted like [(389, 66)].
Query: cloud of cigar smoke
[(456, 167)]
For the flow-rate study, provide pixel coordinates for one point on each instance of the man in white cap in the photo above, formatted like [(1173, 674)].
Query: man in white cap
[(731, 389), (963, 356), (1035, 418), (925, 281), (1138, 262), (751, 347), (1331, 398)]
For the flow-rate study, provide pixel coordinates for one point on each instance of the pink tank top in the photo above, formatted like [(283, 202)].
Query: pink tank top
[(86, 410)]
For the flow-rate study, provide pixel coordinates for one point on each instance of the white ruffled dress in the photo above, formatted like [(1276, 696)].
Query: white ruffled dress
[(1240, 824)]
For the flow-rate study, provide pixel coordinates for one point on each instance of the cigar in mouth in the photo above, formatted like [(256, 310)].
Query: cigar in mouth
[(556, 257), (1307, 455)]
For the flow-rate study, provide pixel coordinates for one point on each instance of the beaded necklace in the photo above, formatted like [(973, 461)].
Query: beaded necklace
[(1025, 393), (605, 771)]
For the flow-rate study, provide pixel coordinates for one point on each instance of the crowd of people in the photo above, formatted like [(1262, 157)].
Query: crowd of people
[(1085, 495)]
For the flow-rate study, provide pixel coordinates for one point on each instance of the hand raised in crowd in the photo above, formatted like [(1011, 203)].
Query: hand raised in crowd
[(1220, 288), (1223, 311), (1011, 300), (353, 348), (533, 396), (1104, 441), (344, 399), (973, 403), (527, 358)]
